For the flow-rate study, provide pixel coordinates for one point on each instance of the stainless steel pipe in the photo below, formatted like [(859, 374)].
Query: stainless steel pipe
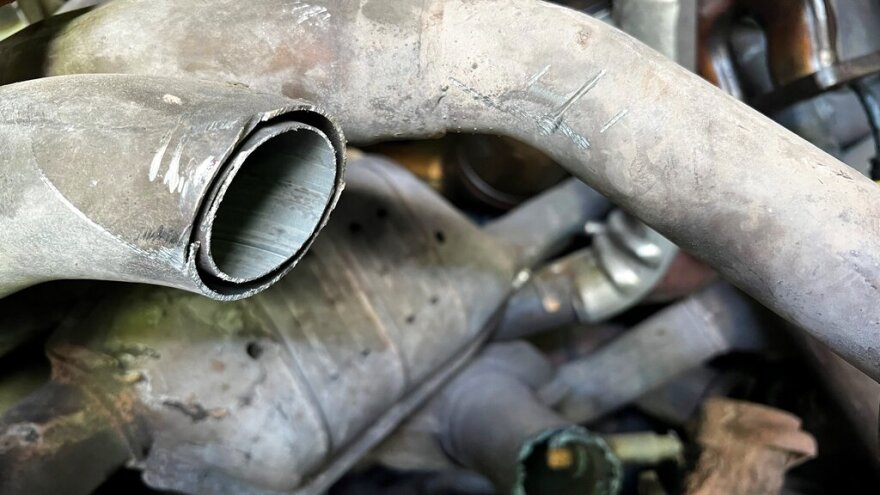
[(786, 222), (199, 186)]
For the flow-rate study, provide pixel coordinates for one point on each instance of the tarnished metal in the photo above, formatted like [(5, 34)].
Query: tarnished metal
[(747, 448), (825, 79), (625, 262), (496, 418), (494, 422), (200, 186), (795, 49), (499, 171), (283, 392), (678, 401), (677, 339), (826, 46), (684, 277), (788, 223), (542, 226), (62, 439)]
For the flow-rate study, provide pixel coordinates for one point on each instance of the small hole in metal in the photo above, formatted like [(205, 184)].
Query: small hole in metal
[(254, 350)]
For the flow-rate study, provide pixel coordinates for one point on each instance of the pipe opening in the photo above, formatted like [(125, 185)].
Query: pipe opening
[(567, 461), (273, 200)]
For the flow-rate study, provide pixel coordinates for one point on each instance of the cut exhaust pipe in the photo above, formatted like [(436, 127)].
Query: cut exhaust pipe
[(492, 421), (283, 392), (198, 186), (786, 222)]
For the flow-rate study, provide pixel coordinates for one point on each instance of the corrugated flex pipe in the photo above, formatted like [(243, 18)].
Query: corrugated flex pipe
[(789, 224), (187, 184)]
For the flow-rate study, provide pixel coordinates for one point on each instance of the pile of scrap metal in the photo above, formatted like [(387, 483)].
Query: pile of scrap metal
[(563, 262)]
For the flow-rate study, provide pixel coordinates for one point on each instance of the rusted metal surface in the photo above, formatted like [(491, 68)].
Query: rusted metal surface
[(825, 79), (856, 54), (747, 449), (283, 392), (158, 164), (63, 439), (685, 276), (813, 46), (800, 38), (788, 223), (499, 171), (484, 172)]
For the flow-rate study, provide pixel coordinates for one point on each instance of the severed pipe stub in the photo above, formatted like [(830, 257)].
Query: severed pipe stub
[(205, 187), (263, 210), (747, 449), (492, 419), (567, 460)]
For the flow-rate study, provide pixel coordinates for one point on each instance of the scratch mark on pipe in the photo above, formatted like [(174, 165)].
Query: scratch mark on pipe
[(834, 171), (157, 160), (81, 215), (489, 102), (614, 120), (581, 92), (579, 140), (172, 176), (305, 12), (536, 88), (552, 122), (537, 77)]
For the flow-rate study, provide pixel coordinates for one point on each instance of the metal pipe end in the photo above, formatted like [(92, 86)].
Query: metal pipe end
[(567, 460), (268, 204)]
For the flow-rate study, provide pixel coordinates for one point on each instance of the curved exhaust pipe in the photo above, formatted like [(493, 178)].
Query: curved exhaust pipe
[(788, 223), (198, 186)]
